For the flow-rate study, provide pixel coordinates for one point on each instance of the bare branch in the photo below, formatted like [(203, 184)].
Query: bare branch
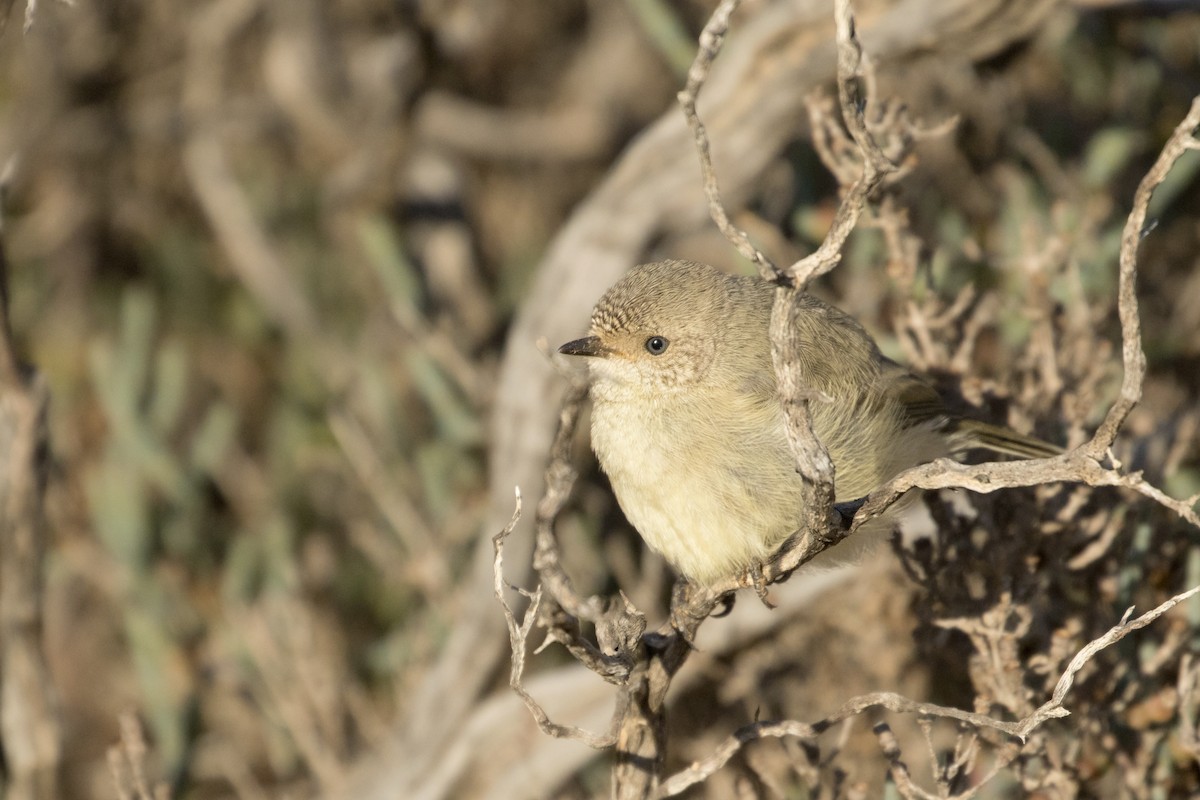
[(819, 528), (1054, 708), (876, 166), (518, 637), (711, 39), (560, 478), (1132, 356), (1082, 465), (897, 769), (1073, 467), (822, 525), (1020, 730), (618, 623)]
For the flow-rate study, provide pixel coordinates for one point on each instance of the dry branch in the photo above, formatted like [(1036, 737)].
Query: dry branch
[(1020, 730), (1085, 463), (822, 526), (711, 39), (1133, 357), (518, 638)]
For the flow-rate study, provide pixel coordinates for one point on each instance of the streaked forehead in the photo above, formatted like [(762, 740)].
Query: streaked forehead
[(653, 294)]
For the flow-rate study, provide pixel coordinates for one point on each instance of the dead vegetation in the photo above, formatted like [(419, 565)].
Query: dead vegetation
[(283, 268)]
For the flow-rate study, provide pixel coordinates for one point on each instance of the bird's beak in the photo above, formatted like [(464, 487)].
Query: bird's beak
[(587, 346)]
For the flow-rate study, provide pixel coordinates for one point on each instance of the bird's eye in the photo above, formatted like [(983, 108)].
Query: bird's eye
[(656, 345)]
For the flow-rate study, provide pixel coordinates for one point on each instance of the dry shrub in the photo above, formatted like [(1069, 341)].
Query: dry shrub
[(265, 252)]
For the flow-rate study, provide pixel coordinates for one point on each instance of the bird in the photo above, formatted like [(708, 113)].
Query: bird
[(688, 427)]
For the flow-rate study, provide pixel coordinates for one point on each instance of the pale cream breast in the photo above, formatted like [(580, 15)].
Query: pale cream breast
[(711, 494)]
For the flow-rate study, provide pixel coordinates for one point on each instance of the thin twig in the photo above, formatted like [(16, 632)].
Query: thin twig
[(1082, 465), (518, 637), (1071, 467), (560, 479), (1054, 708), (711, 39), (1020, 730), (819, 526), (876, 166), (1133, 357)]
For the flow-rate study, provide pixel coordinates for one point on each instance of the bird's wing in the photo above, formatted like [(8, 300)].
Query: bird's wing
[(919, 402)]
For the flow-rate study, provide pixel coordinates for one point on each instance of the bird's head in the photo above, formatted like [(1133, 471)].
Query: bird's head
[(660, 329)]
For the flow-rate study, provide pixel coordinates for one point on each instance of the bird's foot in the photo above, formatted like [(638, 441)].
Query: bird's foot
[(691, 604)]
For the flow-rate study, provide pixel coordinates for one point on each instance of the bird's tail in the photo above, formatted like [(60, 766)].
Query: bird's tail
[(969, 433)]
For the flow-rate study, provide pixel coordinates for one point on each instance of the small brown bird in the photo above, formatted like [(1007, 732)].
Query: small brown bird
[(688, 427)]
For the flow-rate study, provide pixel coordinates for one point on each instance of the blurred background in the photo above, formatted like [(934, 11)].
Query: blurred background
[(267, 254)]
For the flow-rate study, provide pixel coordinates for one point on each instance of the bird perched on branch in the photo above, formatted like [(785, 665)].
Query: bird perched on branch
[(687, 424)]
